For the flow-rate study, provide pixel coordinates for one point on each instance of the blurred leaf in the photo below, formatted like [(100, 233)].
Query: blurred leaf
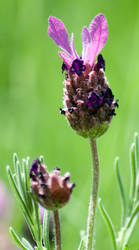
[(27, 244), (37, 226), (122, 191), (126, 247), (46, 229), (109, 223), (17, 239), (133, 171), (137, 148)]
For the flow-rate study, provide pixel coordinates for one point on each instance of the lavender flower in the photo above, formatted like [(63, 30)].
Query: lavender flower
[(51, 190), (87, 91)]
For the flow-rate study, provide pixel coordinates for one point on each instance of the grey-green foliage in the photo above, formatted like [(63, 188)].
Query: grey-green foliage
[(20, 183), (129, 205)]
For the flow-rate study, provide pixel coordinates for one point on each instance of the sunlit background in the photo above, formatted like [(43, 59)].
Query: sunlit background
[(31, 92)]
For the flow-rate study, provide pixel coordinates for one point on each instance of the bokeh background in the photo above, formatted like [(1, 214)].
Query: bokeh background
[(31, 93)]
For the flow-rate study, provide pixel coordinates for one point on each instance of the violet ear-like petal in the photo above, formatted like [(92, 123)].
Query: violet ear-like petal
[(99, 33), (58, 33), (73, 48), (85, 40), (66, 58)]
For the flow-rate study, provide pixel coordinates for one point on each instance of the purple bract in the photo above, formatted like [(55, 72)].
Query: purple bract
[(93, 41)]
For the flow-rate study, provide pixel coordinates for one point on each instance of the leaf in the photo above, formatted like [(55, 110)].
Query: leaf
[(21, 202), (137, 148), (122, 191), (27, 244), (37, 220), (133, 174), (46, 229), (81, 245), (17, 239), (109, 223)]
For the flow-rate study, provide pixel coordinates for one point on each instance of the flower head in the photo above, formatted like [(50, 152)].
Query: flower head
[(51, 190), (88, 100)]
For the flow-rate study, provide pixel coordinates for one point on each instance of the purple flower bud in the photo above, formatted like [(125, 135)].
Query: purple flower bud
[(34, 168), (100, 63), (50, 189), (64, 67), (77, 67), (108, 97), (94, 100)]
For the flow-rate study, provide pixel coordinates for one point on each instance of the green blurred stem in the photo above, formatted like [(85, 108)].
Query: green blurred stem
[(57, 230), (93, 197)]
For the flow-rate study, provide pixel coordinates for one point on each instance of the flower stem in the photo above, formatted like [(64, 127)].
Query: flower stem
[(57, 230), (93, 197)]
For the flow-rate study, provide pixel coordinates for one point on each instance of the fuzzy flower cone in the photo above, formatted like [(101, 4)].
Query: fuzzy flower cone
[(51, 190), (88, 100)]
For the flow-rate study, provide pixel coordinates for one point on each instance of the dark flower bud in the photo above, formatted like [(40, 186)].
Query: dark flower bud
[(100, 63), (51, 190), (77, 67)]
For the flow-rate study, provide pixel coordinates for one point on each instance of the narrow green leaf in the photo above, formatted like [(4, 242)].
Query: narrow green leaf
[(133, 171), (27, 244), (46, 229), (17, 239), (37, 220), (27, 193), (20, 181), (109, 223), (21, 202), (137, 148), (122, 191), (15, 159), (81, 245), (27, 163), (134, 213)]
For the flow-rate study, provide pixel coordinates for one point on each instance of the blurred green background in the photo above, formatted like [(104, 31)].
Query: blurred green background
[(31, 92)]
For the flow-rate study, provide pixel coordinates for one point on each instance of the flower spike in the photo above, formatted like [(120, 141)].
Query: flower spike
[(89, 104)]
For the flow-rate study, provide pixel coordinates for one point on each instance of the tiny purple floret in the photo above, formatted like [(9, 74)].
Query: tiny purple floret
[(94, 100), (108, 97), (77, 67), (100, 63), (34, 167), (64, 67)]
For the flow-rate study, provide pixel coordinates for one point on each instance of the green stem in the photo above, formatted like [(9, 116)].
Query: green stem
[(57, 230), (93, 197)]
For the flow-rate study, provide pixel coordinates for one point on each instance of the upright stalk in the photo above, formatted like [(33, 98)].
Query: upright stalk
[(93, 197), (57, 230)]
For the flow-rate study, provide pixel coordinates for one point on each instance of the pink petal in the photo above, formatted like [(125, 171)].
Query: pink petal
[(99, 33), (66, 59), (58, 33), (85, 40), (72, 46)]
